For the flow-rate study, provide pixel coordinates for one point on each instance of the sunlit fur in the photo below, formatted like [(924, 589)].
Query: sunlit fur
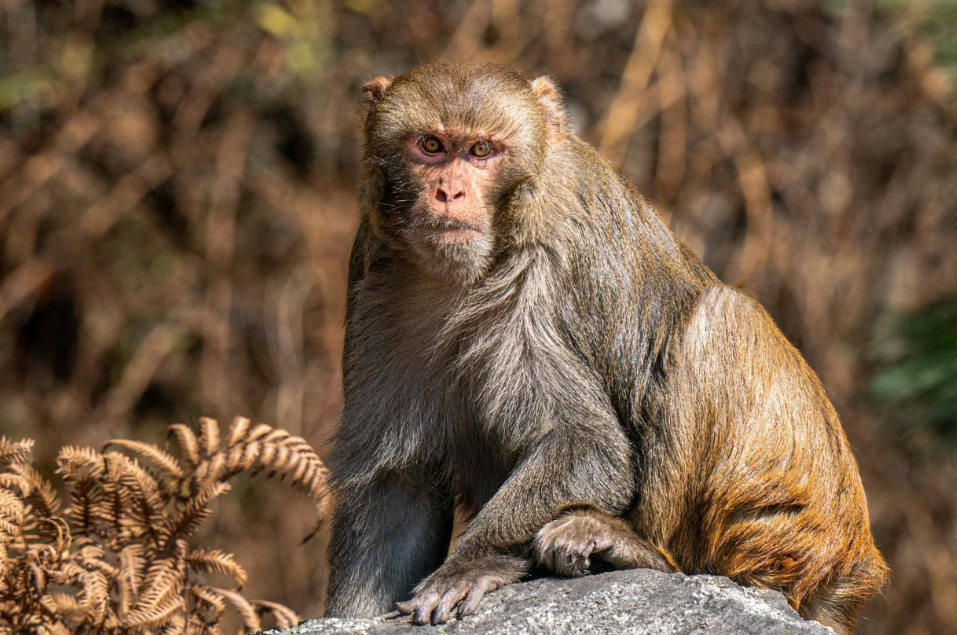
[(582, 357)]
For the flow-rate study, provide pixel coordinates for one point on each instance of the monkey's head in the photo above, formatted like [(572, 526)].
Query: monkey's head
[(447, 148)]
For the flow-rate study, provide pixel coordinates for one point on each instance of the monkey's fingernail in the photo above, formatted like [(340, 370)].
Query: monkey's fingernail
[(440, 617), (422, 616), (389, 616), (442, 613), (472, 600)]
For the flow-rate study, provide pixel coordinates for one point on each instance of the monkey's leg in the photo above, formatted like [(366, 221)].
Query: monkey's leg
[(386, 536), (784, 508), (588, 464), (567, 545)]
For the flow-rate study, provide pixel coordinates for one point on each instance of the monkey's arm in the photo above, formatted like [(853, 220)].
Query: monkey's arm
[(588, 464), (386, 536)]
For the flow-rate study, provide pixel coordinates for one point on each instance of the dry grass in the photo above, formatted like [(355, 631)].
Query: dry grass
[(177, 204), (118, 560)]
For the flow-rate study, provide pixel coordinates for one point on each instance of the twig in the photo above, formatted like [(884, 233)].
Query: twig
[(620, 121)]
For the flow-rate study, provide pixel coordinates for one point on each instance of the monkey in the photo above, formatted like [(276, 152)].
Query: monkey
[(528, 343)]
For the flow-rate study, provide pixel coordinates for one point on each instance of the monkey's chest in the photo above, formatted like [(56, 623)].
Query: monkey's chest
[(473, 393), (498, 405)]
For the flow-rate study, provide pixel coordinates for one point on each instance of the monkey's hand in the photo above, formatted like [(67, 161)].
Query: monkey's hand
[(567, 544), (461, 585)]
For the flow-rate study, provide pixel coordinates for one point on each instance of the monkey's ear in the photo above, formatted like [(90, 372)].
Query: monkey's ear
[(551, 102), (376, 86)]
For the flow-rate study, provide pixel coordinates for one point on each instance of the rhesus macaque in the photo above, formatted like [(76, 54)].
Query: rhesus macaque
[(527, 341)]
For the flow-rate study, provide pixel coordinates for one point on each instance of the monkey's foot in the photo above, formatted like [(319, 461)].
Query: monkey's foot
[(464, 586), (567, 544)]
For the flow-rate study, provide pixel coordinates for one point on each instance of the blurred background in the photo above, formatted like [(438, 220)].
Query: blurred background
[(177, 205)]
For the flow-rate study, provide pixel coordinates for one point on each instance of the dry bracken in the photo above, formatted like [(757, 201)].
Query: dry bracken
[(118, 561)]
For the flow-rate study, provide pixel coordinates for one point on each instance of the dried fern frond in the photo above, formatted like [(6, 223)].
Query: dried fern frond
[(95, 596), (246, 610), (214, 560), (207, 598), (196, 626), (210, 470), (168, 466), (132, 567), (126, 472), (73, 461), (176, 626), (15, 481), (11, 515), (185, 524), (237, 431), (146, 511), (163, 579), (63, 604), (188, 444), (157, 615), (88, 506), (42, 497), (14, 452), (283, 617), (117, 560), (208, 436)]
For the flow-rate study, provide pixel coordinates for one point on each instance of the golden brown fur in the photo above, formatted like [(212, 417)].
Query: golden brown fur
[(551, 346)]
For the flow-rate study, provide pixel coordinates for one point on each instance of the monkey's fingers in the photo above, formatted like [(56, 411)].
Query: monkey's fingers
[(618, 557), (552, 546), (559, 547), (572, 561), (634, 553), (475, 595), (443, 612), (420, 607)]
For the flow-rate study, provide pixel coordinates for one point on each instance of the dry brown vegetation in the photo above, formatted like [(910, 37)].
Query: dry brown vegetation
[(177, 206), (118, 559)]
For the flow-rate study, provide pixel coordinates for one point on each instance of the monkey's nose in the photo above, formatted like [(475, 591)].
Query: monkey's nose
[(448, 194)]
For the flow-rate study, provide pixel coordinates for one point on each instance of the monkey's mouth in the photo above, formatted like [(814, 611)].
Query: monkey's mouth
[(449, 224), (450, 230)]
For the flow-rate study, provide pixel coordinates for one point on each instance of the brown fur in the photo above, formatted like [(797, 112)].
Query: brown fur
[(565, 352)]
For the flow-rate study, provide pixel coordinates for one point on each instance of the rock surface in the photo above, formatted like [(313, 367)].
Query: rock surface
[(637, 602)]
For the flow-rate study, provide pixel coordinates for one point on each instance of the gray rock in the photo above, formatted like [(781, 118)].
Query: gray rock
[(637, 602)]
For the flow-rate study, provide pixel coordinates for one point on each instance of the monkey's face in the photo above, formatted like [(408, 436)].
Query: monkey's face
[(454, 175), (450, 151)]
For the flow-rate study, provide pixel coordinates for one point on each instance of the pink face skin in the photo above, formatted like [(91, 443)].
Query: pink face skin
[(455, 179)]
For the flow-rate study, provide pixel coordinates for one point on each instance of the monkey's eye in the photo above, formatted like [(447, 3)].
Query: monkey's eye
[(432, 145), (481, 149)]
